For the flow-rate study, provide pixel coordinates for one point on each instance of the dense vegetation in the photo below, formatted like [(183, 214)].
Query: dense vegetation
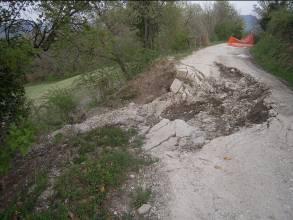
[(274, 49)]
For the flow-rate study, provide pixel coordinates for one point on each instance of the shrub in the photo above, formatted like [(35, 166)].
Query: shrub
[(275, 56), (142, 60), (58, 108), (101, 82), (21, 136), (14, 61)]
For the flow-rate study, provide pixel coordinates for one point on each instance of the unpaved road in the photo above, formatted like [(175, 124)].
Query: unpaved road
[(245, 175)]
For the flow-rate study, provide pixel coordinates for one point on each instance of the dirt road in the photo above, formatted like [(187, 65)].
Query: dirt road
[(245, 175), (223, 135)]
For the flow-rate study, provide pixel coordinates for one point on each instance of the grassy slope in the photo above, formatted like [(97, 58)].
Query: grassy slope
[(36, 92)]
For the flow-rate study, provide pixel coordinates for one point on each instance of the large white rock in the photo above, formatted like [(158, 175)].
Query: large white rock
[(176, 85), (183, 129)]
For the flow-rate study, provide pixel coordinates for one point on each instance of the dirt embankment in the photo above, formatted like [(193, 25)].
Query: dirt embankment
[(154, 82)]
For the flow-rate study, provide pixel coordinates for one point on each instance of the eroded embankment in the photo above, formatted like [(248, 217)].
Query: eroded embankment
[(174, 115)]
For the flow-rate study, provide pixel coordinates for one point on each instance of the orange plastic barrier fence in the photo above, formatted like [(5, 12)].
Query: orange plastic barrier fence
[(247, 41)]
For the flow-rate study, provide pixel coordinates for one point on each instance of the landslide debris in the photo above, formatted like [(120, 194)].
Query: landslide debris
[(222, 106)]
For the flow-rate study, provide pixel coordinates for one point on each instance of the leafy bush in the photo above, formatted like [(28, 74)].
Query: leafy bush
[(101, 82), (21, 136), (274, 49), (144, 58), (14, 61), (281, 25), (228, 28), (58, 108), (16, 133), (275, 56)]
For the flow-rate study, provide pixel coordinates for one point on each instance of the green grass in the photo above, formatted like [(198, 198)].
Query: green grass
[(140, 196), (38, 91), (101, 79), (102, 163)]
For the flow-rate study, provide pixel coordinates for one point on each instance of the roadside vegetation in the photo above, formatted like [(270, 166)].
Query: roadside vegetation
[(274, 49), (100, 162), (74, 57)]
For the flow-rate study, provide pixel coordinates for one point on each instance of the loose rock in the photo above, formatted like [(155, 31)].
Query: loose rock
[(144, 209)]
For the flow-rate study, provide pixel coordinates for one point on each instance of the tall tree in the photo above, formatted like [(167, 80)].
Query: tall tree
[(145, 15), (265, 8)]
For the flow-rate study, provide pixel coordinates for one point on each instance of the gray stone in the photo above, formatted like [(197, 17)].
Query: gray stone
[(176, 85), (158, 126), (159, 134), (199, 141), (144, 209), (182, 129)]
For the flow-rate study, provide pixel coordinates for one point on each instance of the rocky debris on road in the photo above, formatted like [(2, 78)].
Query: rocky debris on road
[(177, 129), (221, 106), (144, 209)]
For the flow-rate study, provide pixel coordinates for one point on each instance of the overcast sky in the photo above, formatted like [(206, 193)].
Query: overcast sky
[(243, 7)]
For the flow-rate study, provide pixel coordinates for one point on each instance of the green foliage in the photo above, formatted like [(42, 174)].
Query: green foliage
[(173, 35), (102, 81), (228, 21), (266, 8), (20, 137), (140, 196), (58, 108), (14, 61), (142, 59), (82, 188), (228, 28), (86, 186), (275, 56), (16, 133), (281, 25), (28, 198), (274, 48)]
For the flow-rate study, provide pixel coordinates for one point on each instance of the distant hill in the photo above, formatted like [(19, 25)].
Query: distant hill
[(250, 22)]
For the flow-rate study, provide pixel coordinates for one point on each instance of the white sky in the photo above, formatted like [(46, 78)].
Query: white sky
[(243, 7)]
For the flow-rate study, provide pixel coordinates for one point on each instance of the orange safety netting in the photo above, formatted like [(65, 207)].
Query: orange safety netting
[(247, 41)]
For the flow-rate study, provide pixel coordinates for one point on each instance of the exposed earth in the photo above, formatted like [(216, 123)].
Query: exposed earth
[(222, 131)]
